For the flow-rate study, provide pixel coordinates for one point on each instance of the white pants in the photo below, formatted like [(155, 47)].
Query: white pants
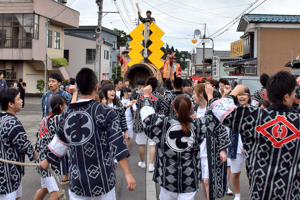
[(204, 168), (130, 128), (111, 195), (237, 164), (167, 195), (49, 183), (141, 139), (12, 195)]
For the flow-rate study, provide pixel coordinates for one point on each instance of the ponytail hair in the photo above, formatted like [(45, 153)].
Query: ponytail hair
[(182, 105), (57, 101)]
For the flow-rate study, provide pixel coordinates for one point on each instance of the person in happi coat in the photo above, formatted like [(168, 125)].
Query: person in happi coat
[(270, 137), (92, 133)]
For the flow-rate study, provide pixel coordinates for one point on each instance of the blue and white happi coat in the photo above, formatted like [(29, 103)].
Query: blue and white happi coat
[(271, 140), (14, 145), (93, 134)]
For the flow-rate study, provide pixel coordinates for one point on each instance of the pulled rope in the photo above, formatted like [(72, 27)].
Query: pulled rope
[(61, 194)]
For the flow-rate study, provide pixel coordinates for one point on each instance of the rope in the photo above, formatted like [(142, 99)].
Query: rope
[(61, 193)]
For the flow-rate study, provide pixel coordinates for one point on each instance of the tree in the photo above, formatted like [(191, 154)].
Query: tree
[(118, 68), (40, 85), (123, 38)]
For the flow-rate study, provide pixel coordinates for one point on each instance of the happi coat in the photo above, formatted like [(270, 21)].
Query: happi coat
[(272, 147), (14, 145), (217, 141), (92, 133), (45, 135), (259, 95)]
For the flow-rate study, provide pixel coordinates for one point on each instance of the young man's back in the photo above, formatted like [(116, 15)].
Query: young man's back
[(93, 133)]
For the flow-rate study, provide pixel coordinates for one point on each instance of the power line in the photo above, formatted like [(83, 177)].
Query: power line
[(122, 16), (127, 12), (173, 16)]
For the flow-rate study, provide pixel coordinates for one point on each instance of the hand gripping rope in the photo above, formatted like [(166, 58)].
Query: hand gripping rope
[(61, 193)]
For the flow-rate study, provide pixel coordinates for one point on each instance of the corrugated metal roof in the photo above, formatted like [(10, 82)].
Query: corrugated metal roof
[(272, 18)]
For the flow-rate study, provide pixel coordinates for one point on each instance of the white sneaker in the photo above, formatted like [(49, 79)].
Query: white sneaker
[(229, 192), (236, 198), (142, 165), (151, 169)]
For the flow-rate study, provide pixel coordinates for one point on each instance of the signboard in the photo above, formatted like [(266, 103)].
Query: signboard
[(236, 48), (216, 66), (99, 41)]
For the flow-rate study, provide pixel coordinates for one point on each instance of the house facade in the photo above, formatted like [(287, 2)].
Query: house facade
[(31, 32), (269, 42), (108, 49)]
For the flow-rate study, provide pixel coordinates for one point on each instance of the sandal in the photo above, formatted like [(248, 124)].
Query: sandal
[(64, 182)]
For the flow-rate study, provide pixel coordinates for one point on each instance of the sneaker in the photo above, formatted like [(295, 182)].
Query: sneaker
[(142, 165), (151, 169), (236, 198), (229, 192)]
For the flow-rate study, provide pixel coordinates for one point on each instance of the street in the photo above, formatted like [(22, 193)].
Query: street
[(30, 117)]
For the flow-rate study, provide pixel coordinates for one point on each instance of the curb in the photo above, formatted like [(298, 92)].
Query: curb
[(150, 185)]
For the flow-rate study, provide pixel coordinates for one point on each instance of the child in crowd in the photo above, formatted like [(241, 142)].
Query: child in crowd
[(102, 98), (14, 145), (86, 128)]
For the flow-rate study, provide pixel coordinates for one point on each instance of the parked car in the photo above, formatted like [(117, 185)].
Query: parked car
[(251, 82)]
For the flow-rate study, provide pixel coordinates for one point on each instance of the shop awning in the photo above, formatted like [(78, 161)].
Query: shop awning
[(293, 64), (245, 63)]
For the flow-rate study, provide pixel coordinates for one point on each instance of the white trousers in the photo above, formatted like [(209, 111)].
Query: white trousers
[(12, 195), (167, 195), (111, 195)]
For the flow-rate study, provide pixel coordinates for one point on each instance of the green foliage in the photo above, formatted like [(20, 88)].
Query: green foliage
[(40, 85), (65, 82), (118, 68), (61, 62), (123, 38), (178, 54)]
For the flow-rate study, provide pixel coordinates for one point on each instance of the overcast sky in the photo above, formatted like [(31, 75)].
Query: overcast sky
[(179, 18)]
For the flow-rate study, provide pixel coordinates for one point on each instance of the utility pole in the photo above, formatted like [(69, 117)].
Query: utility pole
[(98, 47), (203, 69)]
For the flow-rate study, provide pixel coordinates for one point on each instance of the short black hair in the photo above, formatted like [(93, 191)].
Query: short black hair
[(178, 83), (148, 11), (124, 90), (264, 79), (279, 85), (224, 81), (1, 72), (168, 84), (20, 80), (86, 81), (140, 81), (72, 81), (7, 96), (56, 76), (186, 82), (152, 81), (116, 81)]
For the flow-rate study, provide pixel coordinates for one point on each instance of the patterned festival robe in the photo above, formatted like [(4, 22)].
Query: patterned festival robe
[(272, 146), (156, 102), (14, 145), (177, 162), (259, 95), (167, 104), (216, 142), (120, 111), (45, 135), (93, 134)]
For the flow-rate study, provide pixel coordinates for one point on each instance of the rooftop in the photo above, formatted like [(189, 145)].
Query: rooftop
[(266, 18)]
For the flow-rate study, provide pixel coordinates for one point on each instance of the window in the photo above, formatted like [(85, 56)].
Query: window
[(17, 30), (250, 70), (49, 39), (66, 54), (106, 55), (36, 27), (90, 56), (56, 40), (114, 45)]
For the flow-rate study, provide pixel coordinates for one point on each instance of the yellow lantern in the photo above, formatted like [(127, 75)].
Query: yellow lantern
[(194, 40)]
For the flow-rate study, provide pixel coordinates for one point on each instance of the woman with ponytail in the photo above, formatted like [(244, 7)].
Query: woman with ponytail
[(45, 135), (177, 163), (212, 150)]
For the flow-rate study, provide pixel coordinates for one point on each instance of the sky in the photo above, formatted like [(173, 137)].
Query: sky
[(180, 18)]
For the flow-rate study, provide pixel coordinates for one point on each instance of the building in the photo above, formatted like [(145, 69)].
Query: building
[(80, 48), (30, 30), (268, 43)]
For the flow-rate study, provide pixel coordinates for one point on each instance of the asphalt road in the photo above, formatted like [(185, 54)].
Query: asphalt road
[(30, 117)]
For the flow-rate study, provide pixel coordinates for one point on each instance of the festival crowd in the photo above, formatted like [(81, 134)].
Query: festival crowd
[(201, 135)]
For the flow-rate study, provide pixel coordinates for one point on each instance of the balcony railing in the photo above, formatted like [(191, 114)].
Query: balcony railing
[(16, 43)]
